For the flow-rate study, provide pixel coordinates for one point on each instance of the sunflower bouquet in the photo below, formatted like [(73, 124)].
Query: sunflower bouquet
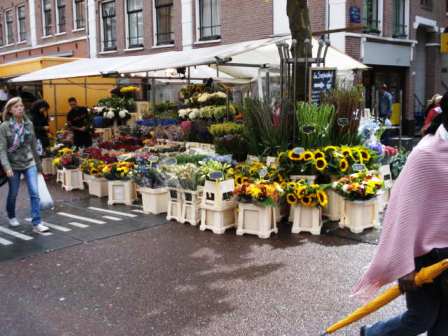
[(306, 162), (259, 193), (361, 186), (305, 194), (118, 170), (93, 167)]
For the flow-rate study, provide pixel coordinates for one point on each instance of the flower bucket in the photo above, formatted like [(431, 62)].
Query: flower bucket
[(360, 215), (121, 192), (155, 201), (191, 202), (59, 176), (98, 186), (175, 202), (72, 179), (219, 195), (307, 219), (256, 220), (334, 208), (218, 221), (87, 178), (47, 167)]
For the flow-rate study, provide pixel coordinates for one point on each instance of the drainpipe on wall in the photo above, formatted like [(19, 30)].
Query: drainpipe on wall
[(91, 29), (33, 32)]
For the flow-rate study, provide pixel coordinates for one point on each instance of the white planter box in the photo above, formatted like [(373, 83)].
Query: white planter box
[(121, 192), (256, 220), (175, 202), (191, 202), (59, 176), (219, 195), (335, 206), (360, 215), (98, 187), (155, 201), (307, 220), (72, 179), (217, 221), (87, 178), (309, 178), (47, 167)]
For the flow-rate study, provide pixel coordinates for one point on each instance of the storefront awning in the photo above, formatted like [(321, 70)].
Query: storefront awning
[(29, 65)]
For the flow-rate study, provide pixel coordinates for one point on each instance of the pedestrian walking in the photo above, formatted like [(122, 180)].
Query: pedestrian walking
[(39, 117), (432, 111), (79, 123), (18, 156), (415, 235), (385, 103)]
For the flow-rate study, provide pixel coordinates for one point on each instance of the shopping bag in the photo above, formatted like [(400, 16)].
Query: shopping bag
[(46, 201), (3, 177)]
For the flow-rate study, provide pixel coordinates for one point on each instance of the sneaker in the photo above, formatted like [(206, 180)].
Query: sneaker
[(13, 222), (40, 228), (363, 331)]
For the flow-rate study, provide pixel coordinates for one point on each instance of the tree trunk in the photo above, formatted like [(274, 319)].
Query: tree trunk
[(299, 23)]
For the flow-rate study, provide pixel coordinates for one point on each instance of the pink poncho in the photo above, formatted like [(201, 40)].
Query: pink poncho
[(416, 220)]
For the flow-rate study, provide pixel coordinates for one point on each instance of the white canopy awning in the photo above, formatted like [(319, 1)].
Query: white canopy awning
[(260, 52)]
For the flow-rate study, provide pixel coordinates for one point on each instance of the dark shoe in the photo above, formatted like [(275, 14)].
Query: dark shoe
[(363, 331)]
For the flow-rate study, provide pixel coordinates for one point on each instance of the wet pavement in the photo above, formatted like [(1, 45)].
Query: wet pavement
[(144, 276)]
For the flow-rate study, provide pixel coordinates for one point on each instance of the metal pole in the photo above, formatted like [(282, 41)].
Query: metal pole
[(294, 94), (400, 120), (55, 106), (85, 91), (307, 42), (153, 94)]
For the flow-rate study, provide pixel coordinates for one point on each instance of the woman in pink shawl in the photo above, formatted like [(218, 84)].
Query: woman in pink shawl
[(415, 235)]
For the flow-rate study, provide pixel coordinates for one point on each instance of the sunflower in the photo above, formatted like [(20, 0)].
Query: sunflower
[(365, 155), (291, 185), (238, 179), (322, 198), (356, 155), (308, 155), (291, 199), (330, 149), (307, 201), (245, 179), (346, 151), (321, 164), (343, 165), (318, 154), (293, 156)]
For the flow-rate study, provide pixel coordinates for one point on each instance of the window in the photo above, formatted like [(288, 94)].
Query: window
[(80, 14), (164, 28), (109, 25), (21, 23), (370, 17), (134, 10), (2, 41), (46, 9), (400, 28), (427, 4), (9, 22), (209, 20), (60, 15)]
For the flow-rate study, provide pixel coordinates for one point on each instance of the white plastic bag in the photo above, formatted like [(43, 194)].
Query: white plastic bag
[(46, 201)]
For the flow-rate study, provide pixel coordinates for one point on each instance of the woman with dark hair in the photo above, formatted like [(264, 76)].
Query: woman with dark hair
[(39, 117)]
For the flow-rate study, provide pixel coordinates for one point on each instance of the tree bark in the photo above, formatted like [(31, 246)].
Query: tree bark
[(299, 24)]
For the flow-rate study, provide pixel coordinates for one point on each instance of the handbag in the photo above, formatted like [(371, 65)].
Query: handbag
[(46, 201)]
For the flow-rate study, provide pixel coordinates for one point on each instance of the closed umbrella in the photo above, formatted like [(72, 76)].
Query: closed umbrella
[(425, 276)]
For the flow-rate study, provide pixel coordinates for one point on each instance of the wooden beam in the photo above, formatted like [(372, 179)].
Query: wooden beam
[(356, 28)]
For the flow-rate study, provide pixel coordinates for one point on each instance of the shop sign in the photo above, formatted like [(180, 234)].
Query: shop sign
[(322, 80), (355, 14)]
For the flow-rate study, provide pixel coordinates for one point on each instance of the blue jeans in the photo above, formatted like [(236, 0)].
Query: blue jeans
[(427, 308), (14, 185)]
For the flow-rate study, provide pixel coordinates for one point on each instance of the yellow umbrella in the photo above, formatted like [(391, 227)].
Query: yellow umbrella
[(425, 276)]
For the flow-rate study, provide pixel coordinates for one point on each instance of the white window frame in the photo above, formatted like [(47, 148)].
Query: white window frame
[(154, 24), (19, 40), (126, 23), (198, 26), (44, 33), (2, 29), (102, 26), (57, 17), (75, 16), (7, 41)]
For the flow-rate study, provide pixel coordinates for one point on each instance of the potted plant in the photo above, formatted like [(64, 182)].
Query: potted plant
[(360, 208), (72, 174), (121, 189), (256, 202), (96, 182)]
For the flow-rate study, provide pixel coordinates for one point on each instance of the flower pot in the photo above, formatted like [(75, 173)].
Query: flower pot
[(307, 220), (334, 209), (256, 220), (121, 192), (98, 186), (47, 167), (218, 221), (87, 178), (175, 202), (72, 179), (191, 201), (360, 215), (219, 195), (155, 201), (59, 176)]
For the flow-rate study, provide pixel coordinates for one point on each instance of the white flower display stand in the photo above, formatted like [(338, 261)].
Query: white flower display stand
[(360, 215), (191, 205), (47, 167), (335, 206), (121, 192), (72, 179), (256, 220), (59, 175), (175, 201), (98, 186), (307, 219), (155, 201), (218, 206), (87, 178)]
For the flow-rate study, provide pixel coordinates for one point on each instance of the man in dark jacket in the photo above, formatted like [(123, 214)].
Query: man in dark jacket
[(79, 123)]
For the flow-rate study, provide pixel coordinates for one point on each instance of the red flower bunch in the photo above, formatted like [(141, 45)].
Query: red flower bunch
[(70, 161), (390, 151)]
